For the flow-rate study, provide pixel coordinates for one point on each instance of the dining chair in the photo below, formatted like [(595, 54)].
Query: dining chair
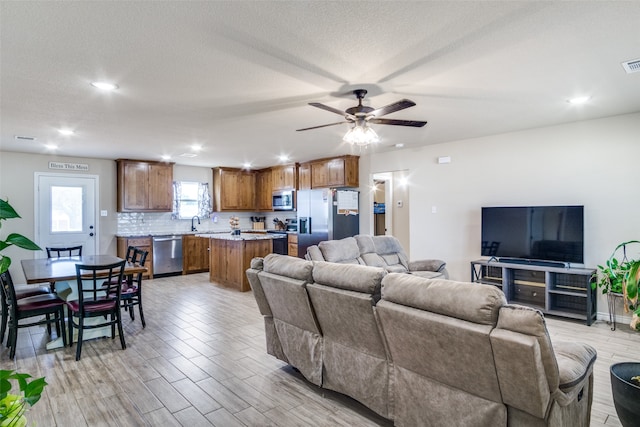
[(29, 307), (99, 290), (62, 252), (22, 291), (131, 294)]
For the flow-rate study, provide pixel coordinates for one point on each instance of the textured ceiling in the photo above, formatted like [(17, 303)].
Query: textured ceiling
[(236, 77)]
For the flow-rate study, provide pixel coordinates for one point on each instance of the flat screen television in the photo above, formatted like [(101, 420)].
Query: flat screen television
[(534, 233)]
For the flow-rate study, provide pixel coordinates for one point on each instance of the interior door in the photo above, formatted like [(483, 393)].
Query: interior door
[(66, 212)]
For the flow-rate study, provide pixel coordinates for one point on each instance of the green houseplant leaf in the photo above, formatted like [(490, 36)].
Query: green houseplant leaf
[(15, 239)]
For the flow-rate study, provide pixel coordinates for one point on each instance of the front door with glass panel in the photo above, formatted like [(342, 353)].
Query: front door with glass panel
[(66, 212)]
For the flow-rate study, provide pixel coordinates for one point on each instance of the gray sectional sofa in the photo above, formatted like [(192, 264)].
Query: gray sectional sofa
[(418, 351), (375, 251)]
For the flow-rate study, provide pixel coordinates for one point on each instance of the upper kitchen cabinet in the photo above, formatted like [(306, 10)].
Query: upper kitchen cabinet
[(264, 189), (233, 189), (284, 177), (144, 186), (335, 172), (304, 176)]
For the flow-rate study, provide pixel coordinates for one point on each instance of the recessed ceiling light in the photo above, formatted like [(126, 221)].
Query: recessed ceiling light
[(283, 158), (165, 157), (104, 86), (579, 100), (399, 145), (51, 146), (196, 147), (66, 132), (246, 165)]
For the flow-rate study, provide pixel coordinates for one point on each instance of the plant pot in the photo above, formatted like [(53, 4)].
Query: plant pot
[(626, 395)]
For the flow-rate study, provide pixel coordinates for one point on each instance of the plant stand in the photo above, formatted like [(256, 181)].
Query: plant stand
[(611, 302), (625, 394)]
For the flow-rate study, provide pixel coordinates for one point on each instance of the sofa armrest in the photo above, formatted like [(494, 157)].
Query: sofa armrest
[(575, 365), (427, 265)]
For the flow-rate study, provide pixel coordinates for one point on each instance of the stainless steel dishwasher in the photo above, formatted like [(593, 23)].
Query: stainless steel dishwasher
[(167, 254)]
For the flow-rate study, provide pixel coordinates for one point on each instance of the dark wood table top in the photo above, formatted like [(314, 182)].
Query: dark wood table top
[(64, 269)]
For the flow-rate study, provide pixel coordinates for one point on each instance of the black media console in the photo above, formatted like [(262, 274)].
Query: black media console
[(552, 289)]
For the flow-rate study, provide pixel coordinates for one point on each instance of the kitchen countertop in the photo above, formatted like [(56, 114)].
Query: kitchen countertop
[(200, 233), (243, 236)]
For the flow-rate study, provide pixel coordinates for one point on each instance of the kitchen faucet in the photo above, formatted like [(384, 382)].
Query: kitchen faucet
[(193, 228)]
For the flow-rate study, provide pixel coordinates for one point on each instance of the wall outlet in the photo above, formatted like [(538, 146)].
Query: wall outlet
[(399, 203), (103, 213)]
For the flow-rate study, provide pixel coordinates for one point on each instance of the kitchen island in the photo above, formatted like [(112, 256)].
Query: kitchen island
[(230, 256)]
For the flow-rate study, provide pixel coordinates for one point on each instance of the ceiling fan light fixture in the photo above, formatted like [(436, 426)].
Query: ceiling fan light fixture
[(361, 136)]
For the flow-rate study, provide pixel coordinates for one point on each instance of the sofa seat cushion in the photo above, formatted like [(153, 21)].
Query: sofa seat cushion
[(428, 274), (427, 265), (340, 251)]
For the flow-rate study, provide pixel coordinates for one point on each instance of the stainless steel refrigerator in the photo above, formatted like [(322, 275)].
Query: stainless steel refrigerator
[(326, 214)]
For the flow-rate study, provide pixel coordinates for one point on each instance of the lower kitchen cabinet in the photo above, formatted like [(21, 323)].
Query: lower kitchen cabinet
[(293, 245), (195, 254), (142, 242), (230, 259)]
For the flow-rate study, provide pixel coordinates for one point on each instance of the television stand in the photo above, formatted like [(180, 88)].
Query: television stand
[(538, 262), (553, 289)]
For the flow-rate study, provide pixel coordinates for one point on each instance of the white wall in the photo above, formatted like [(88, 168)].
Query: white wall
[(590, 163)]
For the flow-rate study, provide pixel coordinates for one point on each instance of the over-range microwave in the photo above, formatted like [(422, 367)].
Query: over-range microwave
[(282, 200)]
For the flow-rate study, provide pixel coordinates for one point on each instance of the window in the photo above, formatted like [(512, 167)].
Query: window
[(191, 199), (66, 209)]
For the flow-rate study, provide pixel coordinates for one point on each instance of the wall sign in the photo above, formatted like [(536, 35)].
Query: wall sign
[(69, 166)]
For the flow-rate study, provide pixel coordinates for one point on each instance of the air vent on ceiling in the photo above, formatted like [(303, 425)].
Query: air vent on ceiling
[(632, 66), (188, 155), (24, 138)]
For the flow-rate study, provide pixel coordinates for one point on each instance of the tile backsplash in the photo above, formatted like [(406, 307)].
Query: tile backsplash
[(142, 224)]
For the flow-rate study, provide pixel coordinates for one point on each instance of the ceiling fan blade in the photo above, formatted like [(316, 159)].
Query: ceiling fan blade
[(326, 107), (322, 126), (392, 108), (413, 123)]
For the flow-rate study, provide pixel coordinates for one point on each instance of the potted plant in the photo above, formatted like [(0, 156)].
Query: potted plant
[(625, 377), (14, 406), (7, 212)]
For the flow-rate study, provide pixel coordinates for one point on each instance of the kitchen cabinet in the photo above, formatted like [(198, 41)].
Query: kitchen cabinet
[(264, 190), (335, 172), (304, 176), (144, 186), (284, 177), (195, 254), (230, 259), (141, 242), (234, 189), (293, 244)]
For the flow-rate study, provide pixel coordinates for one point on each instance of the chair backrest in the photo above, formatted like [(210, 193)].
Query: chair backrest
[(139, 257), (8, 290), (95, 282), (130, 252), (61, 252)]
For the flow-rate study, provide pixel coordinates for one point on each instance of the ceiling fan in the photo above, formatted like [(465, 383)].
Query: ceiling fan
[(361, 115)]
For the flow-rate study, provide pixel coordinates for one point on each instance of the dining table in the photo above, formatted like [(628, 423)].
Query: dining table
[(60, 273)]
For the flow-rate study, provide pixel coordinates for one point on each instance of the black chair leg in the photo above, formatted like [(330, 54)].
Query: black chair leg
[(70, 325), (3, 327), (131, 313), (13, 334), (120, 331), (62, 328), (48, 324), (80, 330), (141, 314)]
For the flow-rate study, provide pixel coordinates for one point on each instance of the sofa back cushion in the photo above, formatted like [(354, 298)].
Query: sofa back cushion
[(292, 267), (344, 251), (440, 330), (314, 254), (359, 278)]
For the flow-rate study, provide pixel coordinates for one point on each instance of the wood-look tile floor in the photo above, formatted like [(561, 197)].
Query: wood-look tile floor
[(201, 361)]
